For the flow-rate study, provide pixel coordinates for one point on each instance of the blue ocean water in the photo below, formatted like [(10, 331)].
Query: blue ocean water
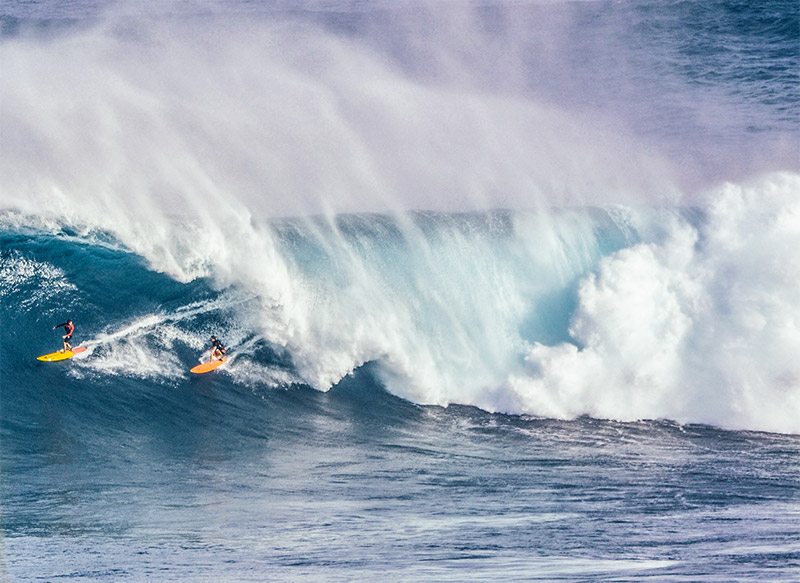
[(510, 291)]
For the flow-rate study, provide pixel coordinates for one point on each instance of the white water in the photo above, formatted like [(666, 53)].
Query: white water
[(702, 327)]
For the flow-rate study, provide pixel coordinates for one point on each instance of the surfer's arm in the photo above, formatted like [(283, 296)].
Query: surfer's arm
[(64, 325)]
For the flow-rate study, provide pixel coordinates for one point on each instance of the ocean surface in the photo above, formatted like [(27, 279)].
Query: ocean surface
[(510, 291)]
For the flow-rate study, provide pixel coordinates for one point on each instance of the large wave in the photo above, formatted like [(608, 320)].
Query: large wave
[(619, 313), (350, 201)]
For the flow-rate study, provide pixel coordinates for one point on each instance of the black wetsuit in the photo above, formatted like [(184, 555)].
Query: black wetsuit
[(216, 344)]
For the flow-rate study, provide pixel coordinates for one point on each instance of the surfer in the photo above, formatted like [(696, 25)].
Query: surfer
[(217, 349), (69, 328)]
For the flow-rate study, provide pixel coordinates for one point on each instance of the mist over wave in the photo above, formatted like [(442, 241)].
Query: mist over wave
[(349, 189)]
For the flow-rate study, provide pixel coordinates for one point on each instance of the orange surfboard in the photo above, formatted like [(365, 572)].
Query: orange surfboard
[(208, 366)]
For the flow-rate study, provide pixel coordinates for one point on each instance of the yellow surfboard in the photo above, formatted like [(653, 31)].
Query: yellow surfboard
[(208, 366), (60, 355)]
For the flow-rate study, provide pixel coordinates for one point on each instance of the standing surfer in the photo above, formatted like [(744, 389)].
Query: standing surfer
[(69, 328)]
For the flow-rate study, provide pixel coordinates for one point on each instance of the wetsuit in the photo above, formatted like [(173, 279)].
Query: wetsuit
[(69, 328), (217, 345)]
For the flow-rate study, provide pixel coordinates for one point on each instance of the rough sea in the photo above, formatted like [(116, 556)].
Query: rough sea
[(511, 290)]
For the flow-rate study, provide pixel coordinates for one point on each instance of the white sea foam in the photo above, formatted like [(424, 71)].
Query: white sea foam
[(703, 327), (32, 284), (145, 346)]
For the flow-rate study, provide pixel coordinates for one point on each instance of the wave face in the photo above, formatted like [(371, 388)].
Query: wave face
[(324, 198)]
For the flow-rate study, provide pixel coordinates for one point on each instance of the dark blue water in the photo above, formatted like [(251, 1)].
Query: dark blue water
[(578, 443), (211, 484)]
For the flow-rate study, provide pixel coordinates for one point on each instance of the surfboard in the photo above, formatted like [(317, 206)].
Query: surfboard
[(208, 366), (56, 356)]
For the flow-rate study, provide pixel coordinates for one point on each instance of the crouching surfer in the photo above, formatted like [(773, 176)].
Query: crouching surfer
[(217, 358), (69, 328), (218, 351)]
